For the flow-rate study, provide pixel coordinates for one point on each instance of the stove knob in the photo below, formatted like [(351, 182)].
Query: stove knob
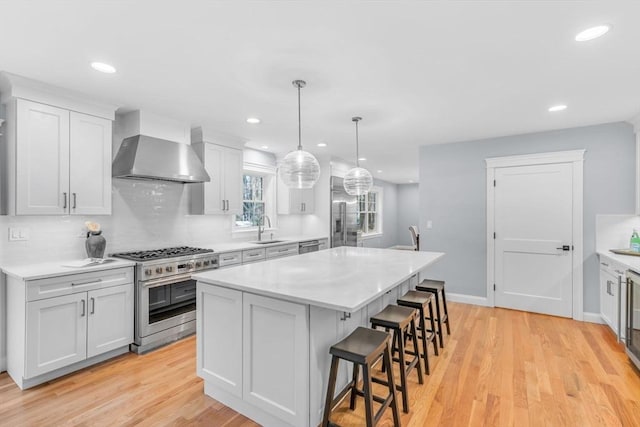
[(159, 270), (205, 262), (168, 269), (147, 272), (198, 264)]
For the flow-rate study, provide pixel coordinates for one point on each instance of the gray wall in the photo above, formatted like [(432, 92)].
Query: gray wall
[(408, 211), (453, 196)]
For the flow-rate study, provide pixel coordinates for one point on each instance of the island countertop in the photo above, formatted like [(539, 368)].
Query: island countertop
[(342, 279)]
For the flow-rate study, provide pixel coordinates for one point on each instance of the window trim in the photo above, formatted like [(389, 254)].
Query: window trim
[(379, 211), (268, 193)]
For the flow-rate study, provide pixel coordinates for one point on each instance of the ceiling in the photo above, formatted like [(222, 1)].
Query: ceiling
[(418, 72)]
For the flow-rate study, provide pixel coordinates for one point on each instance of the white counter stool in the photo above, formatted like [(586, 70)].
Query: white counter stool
[(401, 320), (422, 301), (363, 347), (436, 287)]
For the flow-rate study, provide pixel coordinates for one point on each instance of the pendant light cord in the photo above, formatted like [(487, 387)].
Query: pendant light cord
[(299, 123), (356, 120)]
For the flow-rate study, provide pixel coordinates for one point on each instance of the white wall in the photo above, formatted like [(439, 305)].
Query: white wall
[(453, 196)]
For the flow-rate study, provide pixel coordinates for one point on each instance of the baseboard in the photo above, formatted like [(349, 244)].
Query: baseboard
[(592, 318), (467, 299)]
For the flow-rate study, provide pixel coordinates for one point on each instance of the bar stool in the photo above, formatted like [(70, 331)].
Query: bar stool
[(422, 301), (363, 347), (437, 287), (400, 319)]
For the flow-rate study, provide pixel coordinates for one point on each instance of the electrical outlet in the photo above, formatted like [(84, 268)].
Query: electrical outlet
[(429, 224), (18, 234)]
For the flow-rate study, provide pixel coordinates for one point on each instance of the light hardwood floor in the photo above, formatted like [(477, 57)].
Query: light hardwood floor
[(499, 367)]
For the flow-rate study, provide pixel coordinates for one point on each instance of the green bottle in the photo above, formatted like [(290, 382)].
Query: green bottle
[(634, 244)]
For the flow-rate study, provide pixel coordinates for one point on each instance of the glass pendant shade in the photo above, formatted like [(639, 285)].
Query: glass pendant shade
[(299, 169), (358, 181)]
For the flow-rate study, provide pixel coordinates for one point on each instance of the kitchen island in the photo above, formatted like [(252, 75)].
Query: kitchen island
[(264, 329)]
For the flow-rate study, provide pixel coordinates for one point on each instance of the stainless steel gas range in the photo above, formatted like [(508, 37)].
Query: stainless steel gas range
[(165, 296)]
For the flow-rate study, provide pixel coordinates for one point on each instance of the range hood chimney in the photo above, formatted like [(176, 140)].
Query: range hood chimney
[(146, 157)]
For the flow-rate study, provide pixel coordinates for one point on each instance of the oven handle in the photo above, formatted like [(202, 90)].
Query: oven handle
[(164, 281)]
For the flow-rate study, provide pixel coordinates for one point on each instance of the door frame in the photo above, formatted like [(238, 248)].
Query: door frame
[(576, 157)]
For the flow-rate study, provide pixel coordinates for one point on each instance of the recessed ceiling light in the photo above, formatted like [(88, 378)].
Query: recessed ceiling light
[(556, 108), (103, 68), (362, 159), (253, 120), (411, 181), (379, 171), (265, 147), (592, 33), (322, 144)]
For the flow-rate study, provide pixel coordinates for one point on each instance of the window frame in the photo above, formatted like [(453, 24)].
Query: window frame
[(268, 175), (379, 213)]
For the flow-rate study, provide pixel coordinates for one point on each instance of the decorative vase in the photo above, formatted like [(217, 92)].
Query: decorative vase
[(95, 244)]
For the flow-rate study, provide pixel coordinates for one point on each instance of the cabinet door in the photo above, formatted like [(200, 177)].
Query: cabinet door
[(90, 162), (295, 201), (307, 199), (219, 332), (213, 190), (233, 164), (42, 159), (56, 333), (276, 358), (606, 282), (110, 319)]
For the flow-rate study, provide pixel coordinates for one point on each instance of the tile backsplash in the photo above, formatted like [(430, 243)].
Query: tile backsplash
[(614, 231), (145, 215)]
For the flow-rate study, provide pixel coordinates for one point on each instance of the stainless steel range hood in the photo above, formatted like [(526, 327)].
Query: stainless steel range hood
[(146, 157)]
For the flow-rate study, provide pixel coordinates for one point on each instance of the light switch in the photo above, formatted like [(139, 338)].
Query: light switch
[(429, 224), (18, 234)]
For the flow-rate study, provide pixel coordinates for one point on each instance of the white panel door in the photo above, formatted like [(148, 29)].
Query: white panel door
[(219, 335), (276, 358), (56, 333), (214, 190), (90, 162), (42, 151), (110, 319), (233, 164), (533, 222)]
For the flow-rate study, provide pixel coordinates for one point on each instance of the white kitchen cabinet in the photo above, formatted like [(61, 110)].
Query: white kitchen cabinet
[(294, 200), (223, 194), (280, 251), (253, 255), (324, 244), (218, 348), (229, 259), (275, 361), (613, 296), (62, 161), (60, 324)]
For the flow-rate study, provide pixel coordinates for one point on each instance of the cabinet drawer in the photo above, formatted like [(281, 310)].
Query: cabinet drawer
[(252, 255), (230, 258), (282, 250), (66, 285)]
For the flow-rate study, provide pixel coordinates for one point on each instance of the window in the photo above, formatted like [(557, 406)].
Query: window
[(370, 212), (253, 201)]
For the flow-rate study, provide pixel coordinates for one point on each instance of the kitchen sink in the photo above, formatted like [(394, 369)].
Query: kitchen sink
[(266, 242)]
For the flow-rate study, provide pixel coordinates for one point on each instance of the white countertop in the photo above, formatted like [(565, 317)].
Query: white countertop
[(239, 246), (342, 279), (59, 268), (629, 261)]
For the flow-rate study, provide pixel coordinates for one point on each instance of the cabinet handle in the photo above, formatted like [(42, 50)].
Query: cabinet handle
[(74, 200), (283, 250), (93, 305), (619, 308), (229, 259), (64, 206), (82, 313), (345, 316), (86, 282), (605, 264)]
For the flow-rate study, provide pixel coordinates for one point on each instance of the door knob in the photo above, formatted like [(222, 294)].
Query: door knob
[(565, 248)]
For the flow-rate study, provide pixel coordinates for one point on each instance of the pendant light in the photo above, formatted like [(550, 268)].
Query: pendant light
[(357, 181), (299, 168)]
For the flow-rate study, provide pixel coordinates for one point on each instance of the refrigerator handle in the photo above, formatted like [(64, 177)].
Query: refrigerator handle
[(343, 214)]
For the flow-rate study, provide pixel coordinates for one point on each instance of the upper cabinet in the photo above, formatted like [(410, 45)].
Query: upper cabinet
[(62, 161), (294, 200), (223, 194), (57, 156)]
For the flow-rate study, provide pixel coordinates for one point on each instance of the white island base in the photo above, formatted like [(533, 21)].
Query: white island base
[(264, 330)]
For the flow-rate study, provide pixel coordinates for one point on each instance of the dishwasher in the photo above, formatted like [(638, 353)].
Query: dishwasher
[(309, 246)]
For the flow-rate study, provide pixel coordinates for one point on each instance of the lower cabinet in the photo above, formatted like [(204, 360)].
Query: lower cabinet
[(613, 296), (52, 336), (256, 349)]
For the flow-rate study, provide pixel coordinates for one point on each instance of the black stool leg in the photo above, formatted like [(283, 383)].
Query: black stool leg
[(438, 320), (368, 394), (397, 336), (330, 390), (446, 313), (392, 386), (412, 325), (352, 402), (433, 328), (425, 349)]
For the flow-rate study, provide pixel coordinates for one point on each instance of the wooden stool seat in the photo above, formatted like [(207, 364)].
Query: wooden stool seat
[(363, 347), (437, 288), (401, 320), (423, 301)]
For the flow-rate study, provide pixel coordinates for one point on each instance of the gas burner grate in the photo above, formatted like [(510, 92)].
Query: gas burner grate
[(154, 254)]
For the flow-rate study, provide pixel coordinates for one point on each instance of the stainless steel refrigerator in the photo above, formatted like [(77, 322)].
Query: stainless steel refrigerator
[(344, 216)]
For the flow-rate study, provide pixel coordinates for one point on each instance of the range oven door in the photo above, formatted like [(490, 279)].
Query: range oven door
[(165, 303), (633, 317)]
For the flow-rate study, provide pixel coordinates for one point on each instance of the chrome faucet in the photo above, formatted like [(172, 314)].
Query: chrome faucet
[(261, 227)]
